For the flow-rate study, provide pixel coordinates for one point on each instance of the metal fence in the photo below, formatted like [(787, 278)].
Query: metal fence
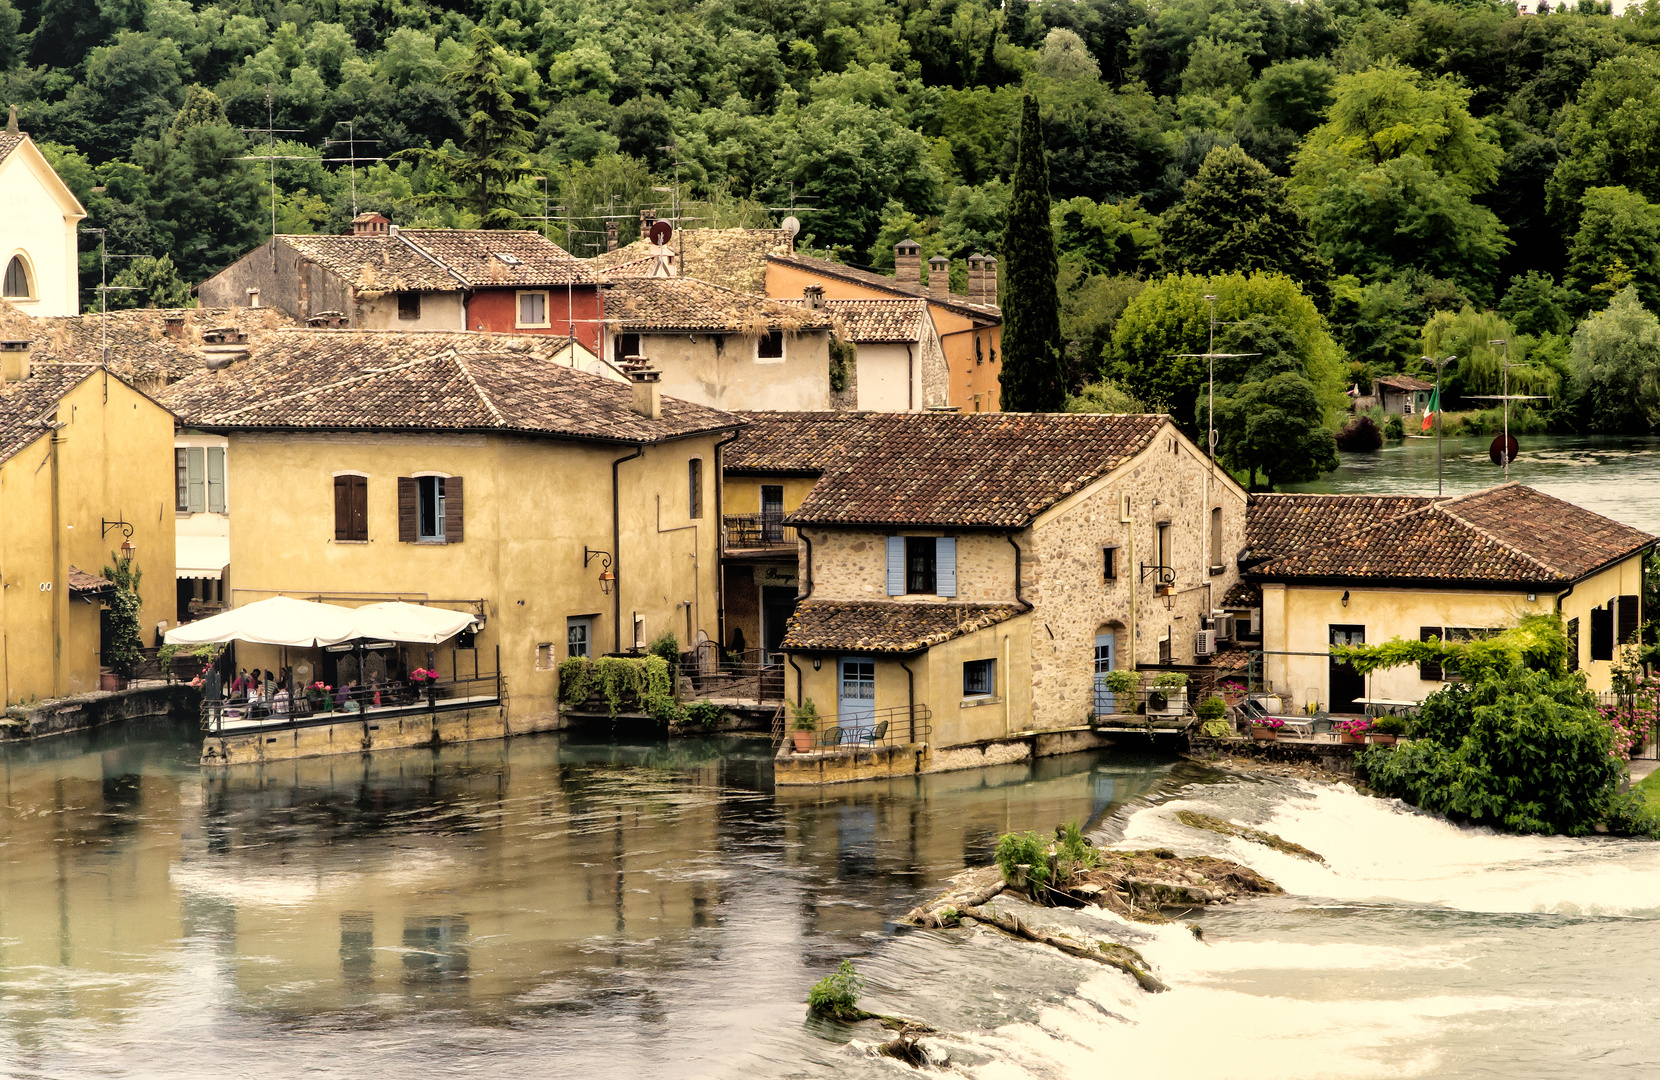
[(310, 705), (750, 675), (882, 727)]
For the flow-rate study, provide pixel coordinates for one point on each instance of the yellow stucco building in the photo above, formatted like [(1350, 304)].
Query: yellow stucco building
[(85, 466), (1353, 569), (574, 515)]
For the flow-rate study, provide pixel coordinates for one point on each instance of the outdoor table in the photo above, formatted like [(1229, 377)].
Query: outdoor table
[(1390, 706)]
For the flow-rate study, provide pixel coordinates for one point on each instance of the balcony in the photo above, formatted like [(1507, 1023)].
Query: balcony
[(757, 532)]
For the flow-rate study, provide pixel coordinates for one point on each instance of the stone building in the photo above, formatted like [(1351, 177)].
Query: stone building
[(969, 580)]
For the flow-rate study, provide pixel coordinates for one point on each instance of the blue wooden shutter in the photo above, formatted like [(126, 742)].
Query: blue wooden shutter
[(216, 480), (896, 566), (196, 478), (945, 566)]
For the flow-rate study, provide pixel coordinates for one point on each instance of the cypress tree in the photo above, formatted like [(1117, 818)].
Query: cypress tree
[(1032, 377)]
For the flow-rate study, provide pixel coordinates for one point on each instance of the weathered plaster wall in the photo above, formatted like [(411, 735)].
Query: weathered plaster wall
[(722, 371), (379, 311)]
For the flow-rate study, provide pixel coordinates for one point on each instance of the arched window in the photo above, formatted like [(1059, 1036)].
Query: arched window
[(17, 279)]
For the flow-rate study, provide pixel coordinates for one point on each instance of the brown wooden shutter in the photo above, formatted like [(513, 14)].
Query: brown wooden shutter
[(408, 511), (342, 507), (358, 528), (1626, 632), (453, 510)]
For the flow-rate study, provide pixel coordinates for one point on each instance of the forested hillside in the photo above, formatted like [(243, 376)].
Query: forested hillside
[(1426, 177)]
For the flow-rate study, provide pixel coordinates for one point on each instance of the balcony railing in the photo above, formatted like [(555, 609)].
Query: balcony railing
[(882, 727), (749, 675), (752, 532)]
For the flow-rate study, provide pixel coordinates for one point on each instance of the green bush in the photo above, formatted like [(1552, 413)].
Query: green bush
[(705, 714), (1122, 682), (1391, 725), (1216, 729), (1394, 428), (1028, 849), (1212, 708), (806, 715), (644, 681), (1073, 853), (838, 994), (1173, 680)]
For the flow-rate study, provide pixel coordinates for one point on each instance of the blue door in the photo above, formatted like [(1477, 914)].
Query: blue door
[(856, 700), (1103, 664)]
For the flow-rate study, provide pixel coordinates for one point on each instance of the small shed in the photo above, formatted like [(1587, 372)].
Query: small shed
[(1402, 395)]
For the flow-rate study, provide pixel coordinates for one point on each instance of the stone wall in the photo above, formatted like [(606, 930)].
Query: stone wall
[(852, 564)]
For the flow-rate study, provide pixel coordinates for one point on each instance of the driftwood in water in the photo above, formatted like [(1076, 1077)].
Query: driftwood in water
[(1255, 836), (1121, 957), (907, 1047)]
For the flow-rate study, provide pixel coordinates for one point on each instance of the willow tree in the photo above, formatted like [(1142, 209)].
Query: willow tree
[(1032, 378)]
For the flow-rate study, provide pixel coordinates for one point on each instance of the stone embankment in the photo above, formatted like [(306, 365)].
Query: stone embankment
[(60, 715)]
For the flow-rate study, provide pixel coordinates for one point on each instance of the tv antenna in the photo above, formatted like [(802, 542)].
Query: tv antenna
[(350, 143), (1507, 452), (271, 155), (1212, 355)]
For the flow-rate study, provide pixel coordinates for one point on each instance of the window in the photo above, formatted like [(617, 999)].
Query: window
[(694, 488), (17, 279), (544, 657), (1429, 670), (181, 479), (1602, 633), (1573, 644), (579, 635), (429, 500), (1109, 562), (429, 510), (1216, 539), (626, 345), (533, 309), (1450, 635), (770, 346), (919, 564), (979, 678), (351, 507), (1406, 406), (979, 353), (1167, 572), (925, 565), (1628, 621), (977, 403), (409, 305)]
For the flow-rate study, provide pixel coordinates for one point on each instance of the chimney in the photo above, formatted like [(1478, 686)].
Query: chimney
[(814, 295), (907, 264), (370, 223), (988, 282), (11, 122), (14, 361), (939, 277), (648, 398), (647, 219), (610, 236), (976, 278), (173, 326)]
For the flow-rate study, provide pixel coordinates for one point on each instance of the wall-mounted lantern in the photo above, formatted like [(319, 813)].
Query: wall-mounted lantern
[(606, 577)]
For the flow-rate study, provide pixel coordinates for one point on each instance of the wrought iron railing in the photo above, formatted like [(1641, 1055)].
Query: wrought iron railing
[(898, 726), (749, 532), (254, 711), (750, 675)]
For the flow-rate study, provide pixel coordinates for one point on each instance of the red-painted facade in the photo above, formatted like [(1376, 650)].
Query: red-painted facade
[(497, 310)]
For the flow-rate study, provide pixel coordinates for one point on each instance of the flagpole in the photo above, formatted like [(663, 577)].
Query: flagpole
[(1440, 409)]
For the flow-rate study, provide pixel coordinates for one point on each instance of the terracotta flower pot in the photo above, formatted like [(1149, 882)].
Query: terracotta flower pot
[(1264, 733), (109, 680), (1353, 740), (1380, 739), (803, 741)]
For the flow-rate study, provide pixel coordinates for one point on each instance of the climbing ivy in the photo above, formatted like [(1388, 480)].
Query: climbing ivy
[(644, 681)]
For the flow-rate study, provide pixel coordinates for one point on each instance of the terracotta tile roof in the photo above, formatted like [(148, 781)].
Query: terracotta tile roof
[(531, 259), (374, 263), (1509, 534), (669, 305), (25, 406), (874, 322), (886, 626), (733, 258), (814, 265), (1403, 382), (972, 470), (636, 268), (140, 348), (84, 583), (1276, 524), (356, 380), (9, 141), (1242, 594), (792, 443)]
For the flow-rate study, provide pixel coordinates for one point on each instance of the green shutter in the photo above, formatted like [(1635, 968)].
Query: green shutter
[(216, 480), (196, 475)]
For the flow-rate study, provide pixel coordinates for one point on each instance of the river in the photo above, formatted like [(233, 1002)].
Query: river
[(1618, 476), (551, 906)]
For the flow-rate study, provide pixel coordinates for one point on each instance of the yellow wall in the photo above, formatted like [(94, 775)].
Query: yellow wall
[(742, 494), (111, 460), (1297, 619), (958, 333), (531, 505)]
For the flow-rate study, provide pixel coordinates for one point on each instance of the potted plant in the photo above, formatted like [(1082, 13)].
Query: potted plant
[(1171, 686), (1386, 729), (806, 725), (1353, 731), (1123, 685), (1233, 693), (1266, 727)]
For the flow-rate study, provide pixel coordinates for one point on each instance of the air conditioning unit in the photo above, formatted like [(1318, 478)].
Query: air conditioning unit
[(1167, 701), (1204, 643), (1222, 623)]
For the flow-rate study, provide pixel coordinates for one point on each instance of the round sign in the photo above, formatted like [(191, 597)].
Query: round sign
[(1496, 451), (660, 232)]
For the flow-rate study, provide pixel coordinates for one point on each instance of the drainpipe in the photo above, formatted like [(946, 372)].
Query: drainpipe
[(616, 550), (60, 572), (910, 697), (1024, 603), (720, 539), (1135, 585), (807, 578), (910, 377), (791, 658)]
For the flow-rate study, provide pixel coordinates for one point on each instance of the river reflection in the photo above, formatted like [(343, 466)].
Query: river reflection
[(616, 909)]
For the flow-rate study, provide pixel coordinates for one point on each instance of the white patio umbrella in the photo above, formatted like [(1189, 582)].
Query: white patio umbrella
[(281, 620), (395, 620)]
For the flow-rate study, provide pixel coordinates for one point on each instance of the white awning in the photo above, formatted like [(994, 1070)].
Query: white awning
[(281, 620), (202, 556), (398, 621)]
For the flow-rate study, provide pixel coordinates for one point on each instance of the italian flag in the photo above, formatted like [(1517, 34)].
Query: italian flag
[(1430, 409)]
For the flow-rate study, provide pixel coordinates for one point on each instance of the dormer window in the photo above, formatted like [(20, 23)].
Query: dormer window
[(509, 258)]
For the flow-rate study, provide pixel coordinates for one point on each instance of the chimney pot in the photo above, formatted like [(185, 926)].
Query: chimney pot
[(988, 290), (939, 277), (370, 223), (976, 278), (14, 361), (610, 236), (648, 391), (814, 295), (173, 326), (907, 264)]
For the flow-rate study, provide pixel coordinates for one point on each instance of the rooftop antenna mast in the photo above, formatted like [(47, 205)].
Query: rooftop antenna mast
[(350, 143), (271, 156), (1211, 355), (1507, 397)]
